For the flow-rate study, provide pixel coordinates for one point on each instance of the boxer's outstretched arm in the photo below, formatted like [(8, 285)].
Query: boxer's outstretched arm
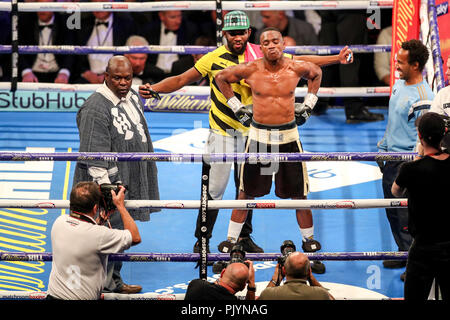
[(171, 84), (345, 56)]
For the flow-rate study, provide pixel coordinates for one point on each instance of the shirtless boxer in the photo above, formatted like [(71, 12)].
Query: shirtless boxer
[(273, 80)]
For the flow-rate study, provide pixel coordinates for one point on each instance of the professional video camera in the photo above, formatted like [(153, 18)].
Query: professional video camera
[(106, 202), (237, 254), (286, 249)]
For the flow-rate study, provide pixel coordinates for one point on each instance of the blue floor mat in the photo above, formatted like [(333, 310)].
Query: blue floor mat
[(171, 230)]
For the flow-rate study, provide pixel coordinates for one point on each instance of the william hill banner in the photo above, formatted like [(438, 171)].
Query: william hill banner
[(70, 101), (405, 26), (179, 103)]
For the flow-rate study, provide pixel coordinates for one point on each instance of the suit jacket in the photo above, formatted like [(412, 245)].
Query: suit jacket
[(186, 35), (29, 35), (122, 28)]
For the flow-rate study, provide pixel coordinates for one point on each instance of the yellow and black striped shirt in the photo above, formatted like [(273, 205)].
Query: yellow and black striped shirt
[(221, 117)]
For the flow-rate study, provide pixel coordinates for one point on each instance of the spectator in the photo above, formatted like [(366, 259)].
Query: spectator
[(345, 27), (45, 28), (234, 278), (171, 29), (80, 246), (301, 31), (141, 69), (112, 120), (382, 60), (441, 103), (423, 181), (100, 28), (411, 94), (297, 270)]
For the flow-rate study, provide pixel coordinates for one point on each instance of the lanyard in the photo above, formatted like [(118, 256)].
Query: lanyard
[(81, 216), (108, 31)]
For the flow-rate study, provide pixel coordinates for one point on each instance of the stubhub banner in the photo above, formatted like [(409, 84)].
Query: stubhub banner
[(42, 101), (70, 101)]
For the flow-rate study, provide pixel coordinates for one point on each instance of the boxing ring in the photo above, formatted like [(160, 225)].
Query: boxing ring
[(197, 158)]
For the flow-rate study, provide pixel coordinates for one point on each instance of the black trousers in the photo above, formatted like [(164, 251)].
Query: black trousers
[(247, 229), (397, 217), (425, 263), (344, 27)]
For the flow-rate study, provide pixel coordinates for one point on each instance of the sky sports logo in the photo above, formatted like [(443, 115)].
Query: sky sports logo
[(442, 9)]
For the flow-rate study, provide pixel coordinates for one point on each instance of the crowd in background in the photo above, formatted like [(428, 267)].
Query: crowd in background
[(192, 27)]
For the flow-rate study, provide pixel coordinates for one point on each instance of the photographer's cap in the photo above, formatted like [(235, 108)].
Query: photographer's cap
[(236, 20)]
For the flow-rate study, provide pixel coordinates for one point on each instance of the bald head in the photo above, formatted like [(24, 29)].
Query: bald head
[(119, 75), (297, 266), (236, 276), (117, 62)]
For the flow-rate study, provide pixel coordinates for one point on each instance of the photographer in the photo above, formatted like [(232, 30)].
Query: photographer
[(81, 246), (234, 278), (424, 181), (297, 269)]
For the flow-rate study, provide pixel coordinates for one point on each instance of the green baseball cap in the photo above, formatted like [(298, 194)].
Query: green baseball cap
[(236, 20)]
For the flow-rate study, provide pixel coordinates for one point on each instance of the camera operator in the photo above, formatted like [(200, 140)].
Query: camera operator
[(297, 269), (234, 278), (423, 181), (81, 246)]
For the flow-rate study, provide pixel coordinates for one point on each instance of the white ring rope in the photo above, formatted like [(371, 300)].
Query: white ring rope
[(197, 5), (201, 90), (227, 204)]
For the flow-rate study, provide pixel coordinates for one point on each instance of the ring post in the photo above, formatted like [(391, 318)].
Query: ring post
[(203, 212)]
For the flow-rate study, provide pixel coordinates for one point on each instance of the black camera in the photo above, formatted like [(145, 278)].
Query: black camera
[(286, 249), (106, 202), (237, 254)]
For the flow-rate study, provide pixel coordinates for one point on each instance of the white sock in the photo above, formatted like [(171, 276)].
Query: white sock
[(234, 230), (307, 233)]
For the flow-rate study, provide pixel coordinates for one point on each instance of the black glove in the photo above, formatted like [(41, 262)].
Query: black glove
[(244, 115), (302, 113), (303, 110)]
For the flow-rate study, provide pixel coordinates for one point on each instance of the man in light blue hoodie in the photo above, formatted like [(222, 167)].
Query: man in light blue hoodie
[(411, 96)]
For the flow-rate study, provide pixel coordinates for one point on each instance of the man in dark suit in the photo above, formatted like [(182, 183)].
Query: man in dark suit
[(171, 29), (100, 28), (45, 28)]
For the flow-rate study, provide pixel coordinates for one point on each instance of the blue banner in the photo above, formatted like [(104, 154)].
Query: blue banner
[(42, 100), (71, 101)]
